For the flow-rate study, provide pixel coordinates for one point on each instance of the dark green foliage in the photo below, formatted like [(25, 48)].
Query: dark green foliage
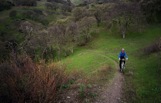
[(65, 2), (52, 5), (57, 1), (123, 17), (155, 47), (13, 14), (32, 14), (152, 9), (25, 2), (49, 54), (106, 1), (53, 0), (79, 13), (5, 5), (8, 35), (66, 8), (97, 15)]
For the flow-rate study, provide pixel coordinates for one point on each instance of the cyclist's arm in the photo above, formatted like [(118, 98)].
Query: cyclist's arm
[(126, 56), (119, 56)]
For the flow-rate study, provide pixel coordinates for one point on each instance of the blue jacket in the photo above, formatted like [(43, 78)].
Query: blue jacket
[(123, 55)]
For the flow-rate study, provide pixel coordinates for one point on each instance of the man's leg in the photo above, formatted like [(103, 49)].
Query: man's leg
[(120, 64)]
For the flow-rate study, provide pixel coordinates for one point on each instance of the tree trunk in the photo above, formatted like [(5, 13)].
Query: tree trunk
[(123, 34)]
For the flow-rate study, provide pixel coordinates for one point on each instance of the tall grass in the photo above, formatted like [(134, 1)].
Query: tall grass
[(25, 82)]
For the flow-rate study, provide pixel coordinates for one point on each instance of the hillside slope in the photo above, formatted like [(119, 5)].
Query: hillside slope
[(137, 85)]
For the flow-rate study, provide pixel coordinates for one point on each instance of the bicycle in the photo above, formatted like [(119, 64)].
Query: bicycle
[(122, 65)]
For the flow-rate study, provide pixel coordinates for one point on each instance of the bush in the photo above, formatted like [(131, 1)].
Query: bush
[(35, 15), (85, 25), (79, 13), (23, 81), (155, 47)]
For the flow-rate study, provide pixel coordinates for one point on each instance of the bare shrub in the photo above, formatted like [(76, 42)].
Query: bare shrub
[(155, 47), (28, 82)]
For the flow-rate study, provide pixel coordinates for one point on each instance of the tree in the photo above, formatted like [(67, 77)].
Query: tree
[(40, 42), (63, 36), (151, 9), (84, 26), (35, 39), (79, 13), (97, 15), (124, 16)]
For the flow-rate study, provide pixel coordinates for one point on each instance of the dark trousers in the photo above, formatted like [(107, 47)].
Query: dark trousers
[(121, 61)]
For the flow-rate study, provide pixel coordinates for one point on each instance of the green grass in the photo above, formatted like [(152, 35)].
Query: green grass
[(76, 2), (88, 61), (148, 81), (104, 49)]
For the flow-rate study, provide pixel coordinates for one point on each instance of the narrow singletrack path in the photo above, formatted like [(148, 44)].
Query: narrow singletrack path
[(112, 91)]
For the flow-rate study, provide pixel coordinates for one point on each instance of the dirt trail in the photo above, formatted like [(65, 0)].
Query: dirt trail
[(112, 92)]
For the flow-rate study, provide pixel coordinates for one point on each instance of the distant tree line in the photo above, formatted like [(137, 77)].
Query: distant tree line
[(152, 9), (25, 2), (67, 2), (7, 4), (66, 5)]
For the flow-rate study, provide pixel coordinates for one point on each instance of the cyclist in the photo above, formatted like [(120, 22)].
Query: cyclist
[(122, 55)]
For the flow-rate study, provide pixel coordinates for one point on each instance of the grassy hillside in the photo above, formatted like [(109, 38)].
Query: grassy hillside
[(142, 73)]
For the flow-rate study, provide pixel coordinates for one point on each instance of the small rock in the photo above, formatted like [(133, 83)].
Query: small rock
[(68, 97)]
